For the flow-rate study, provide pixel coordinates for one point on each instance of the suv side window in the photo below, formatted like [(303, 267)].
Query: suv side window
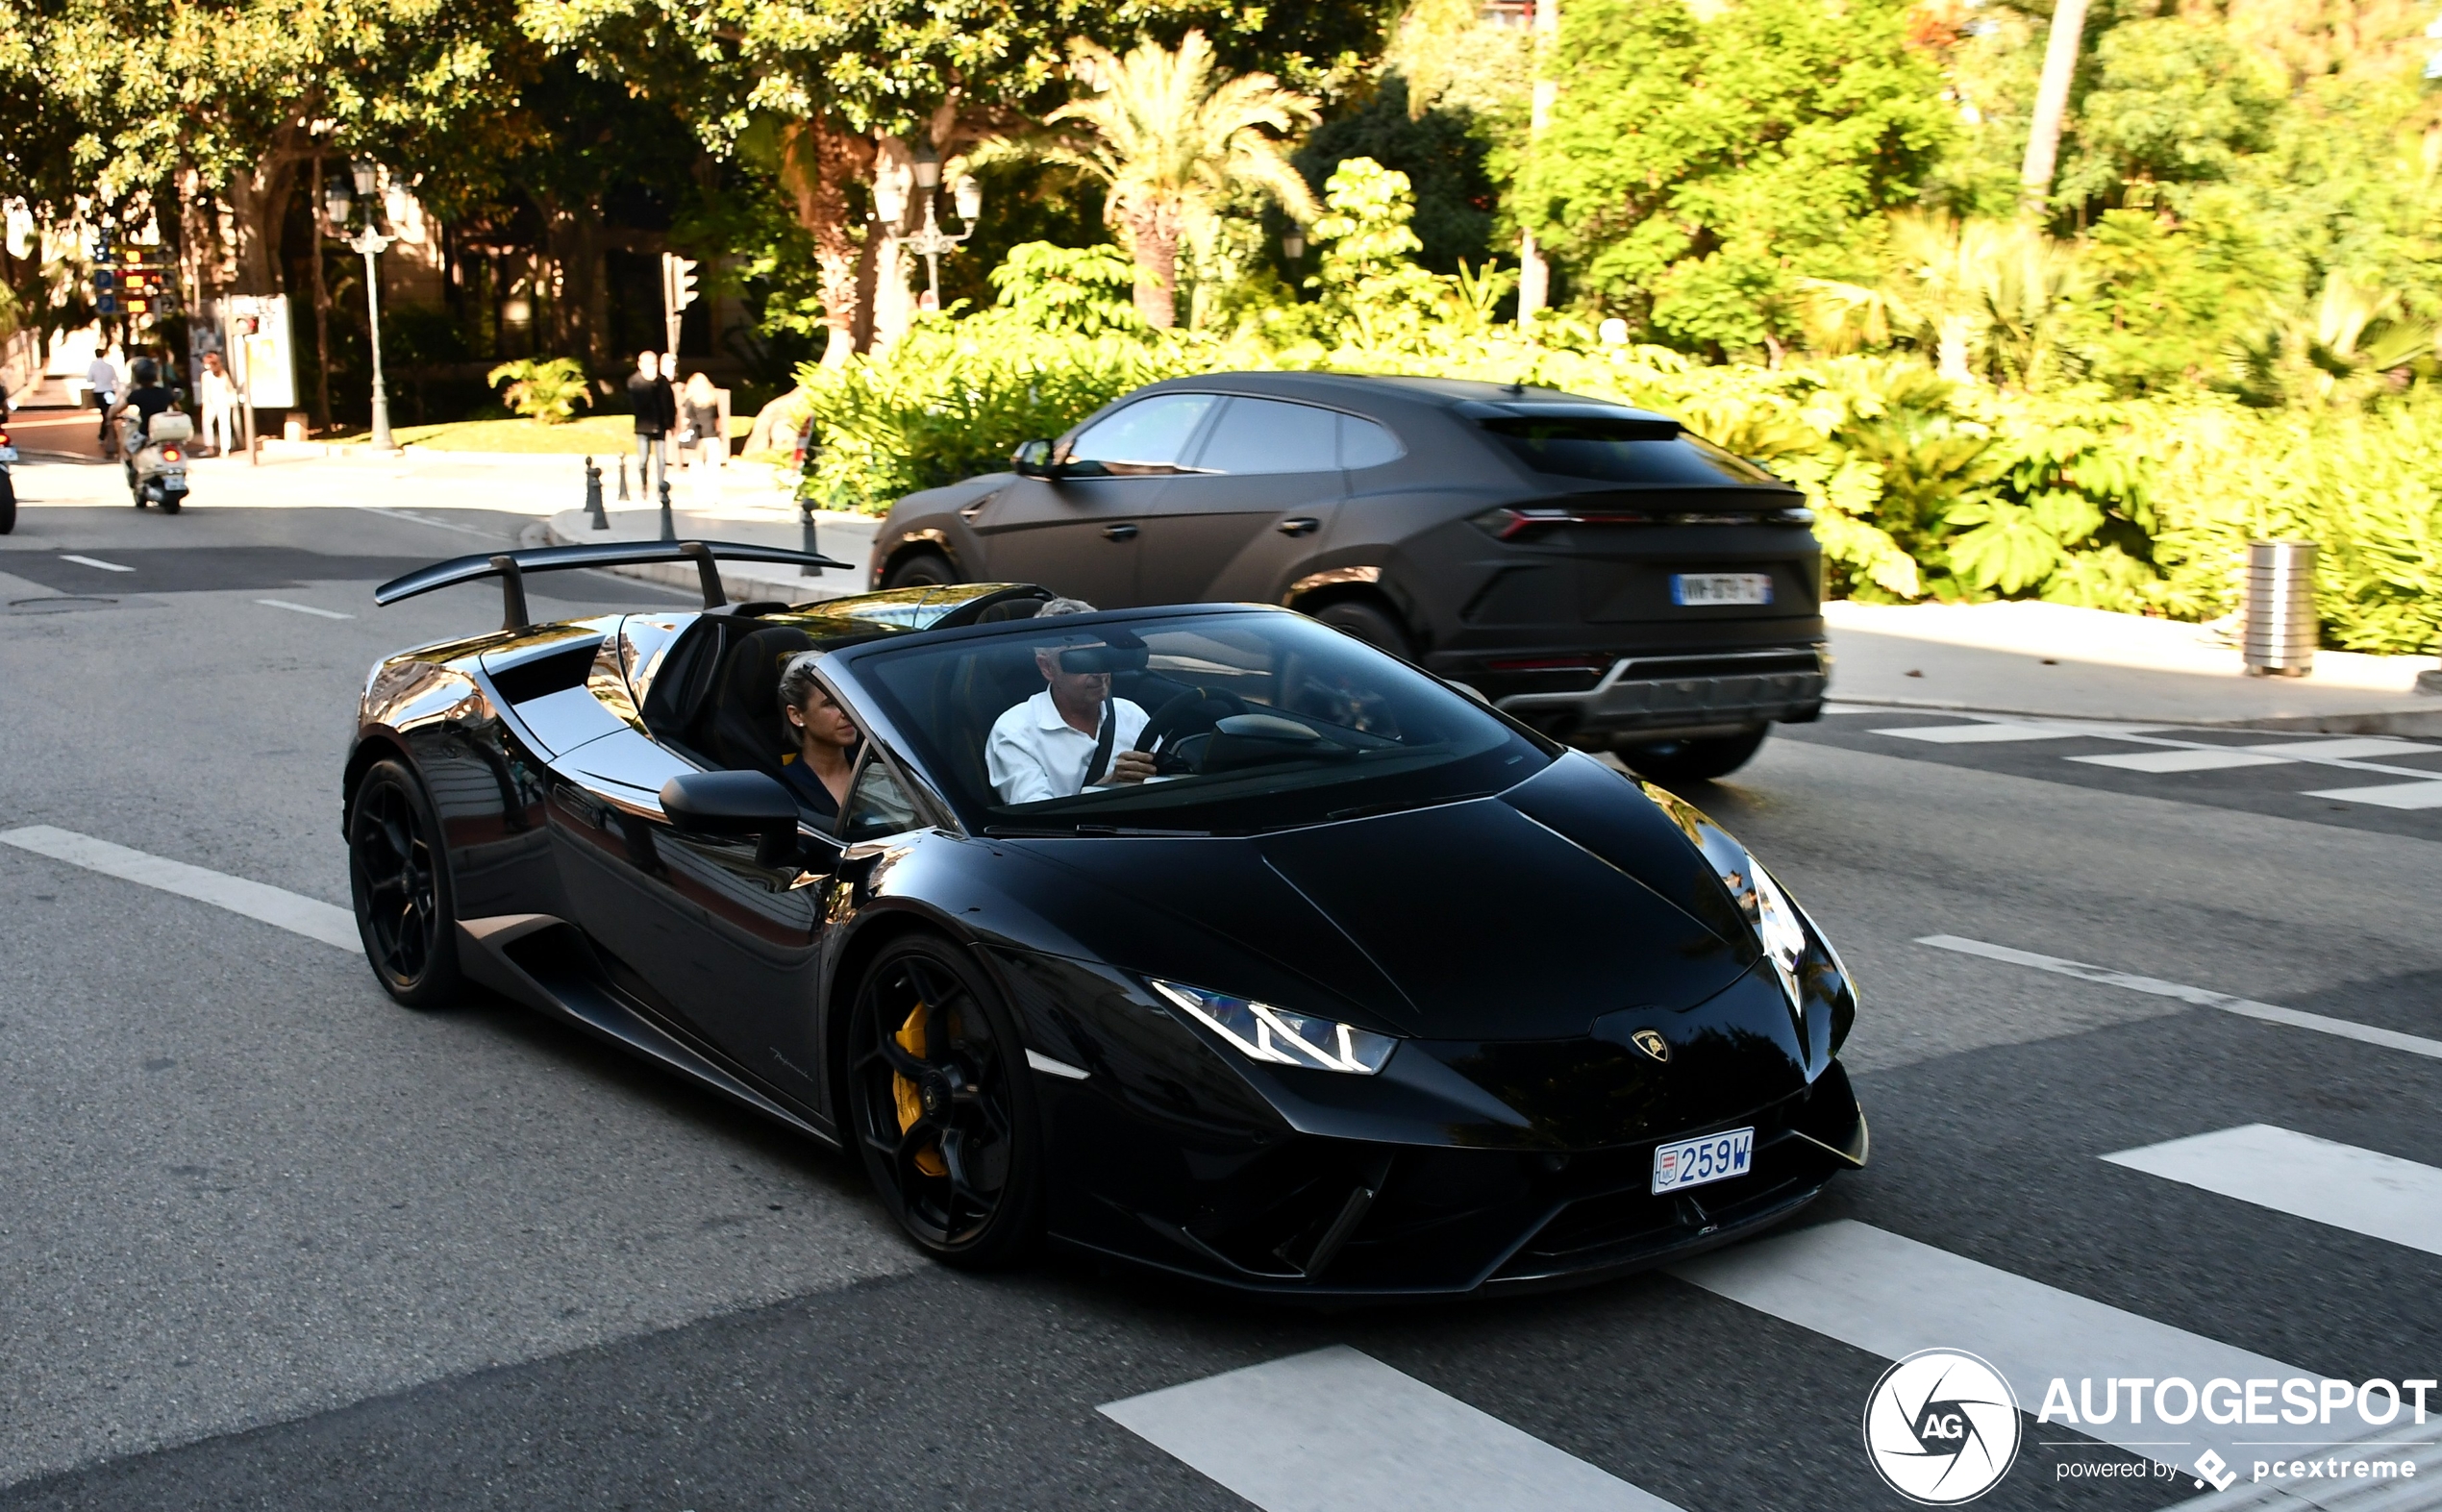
[(876, 805), (1365, 444), (1146, 438), (1269, 436)]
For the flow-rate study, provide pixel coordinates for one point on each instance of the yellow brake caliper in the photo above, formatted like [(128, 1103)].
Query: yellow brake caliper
[(908, 1102)]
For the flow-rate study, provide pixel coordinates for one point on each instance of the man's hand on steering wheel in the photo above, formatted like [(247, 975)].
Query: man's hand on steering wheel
[(1130, 766)]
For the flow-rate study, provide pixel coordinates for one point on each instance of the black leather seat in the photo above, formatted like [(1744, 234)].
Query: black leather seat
[(746, 731)]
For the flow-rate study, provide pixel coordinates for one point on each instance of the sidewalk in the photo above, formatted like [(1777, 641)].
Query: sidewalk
[(2053, 660)]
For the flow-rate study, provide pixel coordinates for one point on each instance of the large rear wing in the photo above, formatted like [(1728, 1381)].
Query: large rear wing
[(511, 567)]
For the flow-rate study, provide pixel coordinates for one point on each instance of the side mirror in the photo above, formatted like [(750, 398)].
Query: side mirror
[(1034, 459), (736, 804)]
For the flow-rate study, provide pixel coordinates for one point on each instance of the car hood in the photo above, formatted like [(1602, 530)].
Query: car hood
[(1523, 917)]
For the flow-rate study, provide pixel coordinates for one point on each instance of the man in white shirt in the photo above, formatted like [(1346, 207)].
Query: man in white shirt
[(1046, 746)]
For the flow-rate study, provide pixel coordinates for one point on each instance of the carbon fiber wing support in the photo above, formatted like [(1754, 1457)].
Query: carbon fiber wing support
[(511, 568)]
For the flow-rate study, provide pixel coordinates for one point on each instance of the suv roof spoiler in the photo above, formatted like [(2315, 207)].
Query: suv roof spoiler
[(511, 567)]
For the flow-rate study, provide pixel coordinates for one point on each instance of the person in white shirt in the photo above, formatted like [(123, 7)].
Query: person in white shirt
[(216, 394), (102, 376), (1046, 746)]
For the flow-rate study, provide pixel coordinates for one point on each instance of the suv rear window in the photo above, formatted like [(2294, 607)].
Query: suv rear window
[(1622, 451)]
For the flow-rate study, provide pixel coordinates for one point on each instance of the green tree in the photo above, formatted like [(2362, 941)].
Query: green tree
[(1705, 157), (1170, 139)]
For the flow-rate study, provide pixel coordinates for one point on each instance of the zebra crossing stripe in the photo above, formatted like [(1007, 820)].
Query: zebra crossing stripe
[(294, 912), (2363, 1190), (1892, 1296), (1338, 1430)]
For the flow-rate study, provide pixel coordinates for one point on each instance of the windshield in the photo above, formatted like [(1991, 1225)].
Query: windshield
[(1622, 451), (1204, 723)]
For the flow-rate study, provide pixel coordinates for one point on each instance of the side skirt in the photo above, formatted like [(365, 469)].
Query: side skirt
[(543, 963)]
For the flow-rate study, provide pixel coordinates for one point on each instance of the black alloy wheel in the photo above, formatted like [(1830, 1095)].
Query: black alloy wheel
[(399, 876), (924, 569), (1698, 761), (941, 1103), (1371, 623)]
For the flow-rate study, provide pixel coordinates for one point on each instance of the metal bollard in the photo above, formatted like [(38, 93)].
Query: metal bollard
[(623, 477), (669, 526), (593, 496), (805, 509), (2280, 629)]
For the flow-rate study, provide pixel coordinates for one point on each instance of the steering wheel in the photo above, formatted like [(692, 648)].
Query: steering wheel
[(1188, 713)]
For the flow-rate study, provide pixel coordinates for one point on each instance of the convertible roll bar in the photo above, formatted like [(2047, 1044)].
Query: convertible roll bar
[(511, 568)]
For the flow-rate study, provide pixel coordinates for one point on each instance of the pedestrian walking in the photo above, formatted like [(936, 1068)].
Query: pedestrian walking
[(655, 407), (216, 396), (102, 376), (703, 437)]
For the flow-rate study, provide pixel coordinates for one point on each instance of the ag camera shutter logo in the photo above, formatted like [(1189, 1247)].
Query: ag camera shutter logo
[(1942, 1428)]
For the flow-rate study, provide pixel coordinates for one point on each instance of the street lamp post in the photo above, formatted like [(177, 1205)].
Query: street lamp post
[(369, 244), (931, 241)]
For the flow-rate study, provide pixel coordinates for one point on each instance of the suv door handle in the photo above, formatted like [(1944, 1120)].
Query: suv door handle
[(1301, 526), (1119, 533)]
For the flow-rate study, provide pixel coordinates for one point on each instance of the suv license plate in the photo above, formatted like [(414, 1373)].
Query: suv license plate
[(1693, 1162), (1695, 589)]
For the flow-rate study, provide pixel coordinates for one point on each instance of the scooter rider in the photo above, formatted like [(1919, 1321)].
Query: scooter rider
[(148, 398)]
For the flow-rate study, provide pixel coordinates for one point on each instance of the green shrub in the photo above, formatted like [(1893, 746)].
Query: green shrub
[(545, 389)]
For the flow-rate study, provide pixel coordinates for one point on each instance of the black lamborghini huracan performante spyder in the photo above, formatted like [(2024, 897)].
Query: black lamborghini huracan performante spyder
[(1366, 991)]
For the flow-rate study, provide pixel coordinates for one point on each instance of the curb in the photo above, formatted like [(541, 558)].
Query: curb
[(740, 582), (2377, 722)]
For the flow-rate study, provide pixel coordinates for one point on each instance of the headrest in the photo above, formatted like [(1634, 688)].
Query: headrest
[(751, 682)]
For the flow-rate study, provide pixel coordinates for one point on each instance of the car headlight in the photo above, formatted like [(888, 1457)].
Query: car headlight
[(1260, 1031), (1776, 920)]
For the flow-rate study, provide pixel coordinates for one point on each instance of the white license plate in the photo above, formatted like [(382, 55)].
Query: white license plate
[(1698, 589), (1693, 1162), (7, 454)]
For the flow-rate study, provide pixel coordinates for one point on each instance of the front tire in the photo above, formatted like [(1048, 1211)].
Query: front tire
[(924, 569), (398, 873), (1371, 623), (941, 1106), (1698, 761)]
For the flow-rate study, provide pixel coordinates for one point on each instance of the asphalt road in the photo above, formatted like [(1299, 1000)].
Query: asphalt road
[(269, 1241)]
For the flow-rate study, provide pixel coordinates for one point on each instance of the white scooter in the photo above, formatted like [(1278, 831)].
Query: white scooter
[(156, 464)]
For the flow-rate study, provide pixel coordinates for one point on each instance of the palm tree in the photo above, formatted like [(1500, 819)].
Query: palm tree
[(1971, 289), (1171, 141)]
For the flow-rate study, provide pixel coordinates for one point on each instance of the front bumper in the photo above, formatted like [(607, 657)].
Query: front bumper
[(1342, 1221), (1663, 697)]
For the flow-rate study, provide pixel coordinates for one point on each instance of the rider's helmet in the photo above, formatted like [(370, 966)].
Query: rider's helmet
[(145, 370)]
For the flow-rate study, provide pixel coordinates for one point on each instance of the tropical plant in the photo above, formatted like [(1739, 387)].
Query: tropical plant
[(1170, 140), (547, 389), (1985, 295)]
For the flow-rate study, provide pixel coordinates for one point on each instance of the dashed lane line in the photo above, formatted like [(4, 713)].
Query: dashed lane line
[(94, 562), (294, 912), (2363, 1190), (1338, 1430), (2201, 997), (302, 608)]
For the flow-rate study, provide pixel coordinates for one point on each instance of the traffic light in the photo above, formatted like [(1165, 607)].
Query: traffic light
[(678, 281)]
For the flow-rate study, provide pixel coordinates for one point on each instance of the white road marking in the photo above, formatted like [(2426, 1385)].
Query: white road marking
[(2209, 761), (1338, 1430), (2351, 749), (93, 561), (303, 609), (1983, 733), (2387, 795), (424, 519), (275, 905), (2363, 1190), (1890, 1296), (2201, 997)]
